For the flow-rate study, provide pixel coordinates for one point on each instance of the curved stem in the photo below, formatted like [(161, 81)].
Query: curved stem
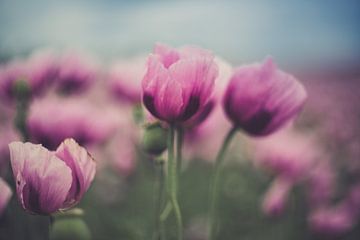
[(214, 191), (172, 182), (165, 213)]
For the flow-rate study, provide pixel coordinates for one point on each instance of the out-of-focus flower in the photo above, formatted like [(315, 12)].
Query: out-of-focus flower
[(340, 218), (38, 72), (125, 79), (48, 181), (276, 196), (76, 73), (320, 183), (8, 135), (331, 221), (52, 120), (294, 157), (123, 148), (43, 67), (5, 195), (287, 153), (178, 82), (124, 155), (260, 98)]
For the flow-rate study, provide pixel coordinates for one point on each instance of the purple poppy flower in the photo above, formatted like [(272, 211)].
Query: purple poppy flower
[(178, 82), (76, 73), (38, 72), (48, 181), (74, 119), (260, 98)]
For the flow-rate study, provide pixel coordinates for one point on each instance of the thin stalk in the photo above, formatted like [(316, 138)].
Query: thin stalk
[(51, 221), (166, 212), (22, 106), (214, 191), (159, 200), (179, 144), (172, 183)]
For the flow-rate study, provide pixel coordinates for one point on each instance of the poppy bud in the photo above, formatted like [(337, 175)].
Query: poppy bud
[(155, 139)]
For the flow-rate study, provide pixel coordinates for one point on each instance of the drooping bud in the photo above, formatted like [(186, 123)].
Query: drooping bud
[(155, 139)]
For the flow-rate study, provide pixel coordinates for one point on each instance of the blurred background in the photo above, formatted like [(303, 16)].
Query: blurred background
[(94, 53)]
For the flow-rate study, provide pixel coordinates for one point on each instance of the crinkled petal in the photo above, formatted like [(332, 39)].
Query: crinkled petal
[(167, 54), (42, 180), (83, 169), (169, 101)]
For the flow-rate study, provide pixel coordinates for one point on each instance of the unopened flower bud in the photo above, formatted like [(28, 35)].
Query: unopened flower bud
[(155, 139), (21, 89), (69, 226)]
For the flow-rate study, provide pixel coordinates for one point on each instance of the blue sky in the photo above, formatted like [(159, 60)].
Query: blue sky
[(289, 30)]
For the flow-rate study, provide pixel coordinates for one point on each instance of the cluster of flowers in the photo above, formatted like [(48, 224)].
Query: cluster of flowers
[(182, 88)]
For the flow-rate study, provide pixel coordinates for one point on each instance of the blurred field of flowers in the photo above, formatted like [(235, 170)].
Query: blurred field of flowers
[(75, 70)]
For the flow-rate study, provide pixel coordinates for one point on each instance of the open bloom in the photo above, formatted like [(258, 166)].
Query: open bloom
[(178, 82), (5, 195), (260, 98), (38, 72), (47, 181)]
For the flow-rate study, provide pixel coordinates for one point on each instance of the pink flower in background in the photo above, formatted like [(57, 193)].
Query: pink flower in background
[(124, 154), (287, 153), (276, 197), (122, 151), (52, 120), (260, 98), (7, 135), (48, 181), (178, 82), (43, 67), (331, 221), (39, 70), (321, 183), (294, 157), (340, 218), (76, 73), (5, 195), (125, 79), (12, 72)]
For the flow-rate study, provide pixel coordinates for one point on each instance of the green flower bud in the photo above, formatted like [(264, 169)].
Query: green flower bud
[(155, 139), (69, 226), (21, 89)]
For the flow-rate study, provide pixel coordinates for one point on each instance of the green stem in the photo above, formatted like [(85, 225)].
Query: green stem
[(20, 118), (159, 199), (172, 182), (214, 191), (179, 144), (165, 213), (51, 221)]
